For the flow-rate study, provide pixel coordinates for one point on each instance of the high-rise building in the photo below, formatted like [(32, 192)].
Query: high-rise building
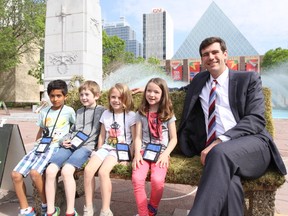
[(158, 37), (123, 30)]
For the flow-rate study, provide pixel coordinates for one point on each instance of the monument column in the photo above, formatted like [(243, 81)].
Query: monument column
[(73, 40)]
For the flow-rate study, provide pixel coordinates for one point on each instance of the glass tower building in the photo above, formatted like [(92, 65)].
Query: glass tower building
[(158, 35), (123, 30)]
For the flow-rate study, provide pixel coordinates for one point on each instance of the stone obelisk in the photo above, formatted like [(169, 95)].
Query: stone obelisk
[(73, 40)]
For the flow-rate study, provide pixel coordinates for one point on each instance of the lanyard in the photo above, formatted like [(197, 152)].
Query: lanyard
[(92, 120), (56, 119), (116, 123)]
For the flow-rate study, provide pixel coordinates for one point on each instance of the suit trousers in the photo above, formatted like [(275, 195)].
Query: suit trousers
[(220, 191)]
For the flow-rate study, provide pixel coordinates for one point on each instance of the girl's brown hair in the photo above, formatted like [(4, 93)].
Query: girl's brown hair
[(165, 110), (126, 97)]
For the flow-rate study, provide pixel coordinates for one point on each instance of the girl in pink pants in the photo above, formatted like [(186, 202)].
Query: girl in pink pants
[(154, 141)]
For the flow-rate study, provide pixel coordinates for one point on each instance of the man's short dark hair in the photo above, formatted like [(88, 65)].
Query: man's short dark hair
[(57, 84), (208, 41)]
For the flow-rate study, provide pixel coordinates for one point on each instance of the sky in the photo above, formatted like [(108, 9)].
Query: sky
[(264, 23)]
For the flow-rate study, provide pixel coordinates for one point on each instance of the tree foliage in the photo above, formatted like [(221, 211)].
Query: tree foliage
[(115, 56), (113, 51), (22, 27), (274, 58)]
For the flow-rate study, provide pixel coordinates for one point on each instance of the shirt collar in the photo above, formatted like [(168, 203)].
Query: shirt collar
[(222, 78)]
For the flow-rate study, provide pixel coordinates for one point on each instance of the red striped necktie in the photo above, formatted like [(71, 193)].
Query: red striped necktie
[(211, 136)]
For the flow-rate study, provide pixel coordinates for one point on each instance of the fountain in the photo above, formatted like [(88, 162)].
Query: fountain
[(276, 79), (137, 75)]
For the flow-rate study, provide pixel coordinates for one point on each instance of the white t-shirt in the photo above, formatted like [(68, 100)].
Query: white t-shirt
[(114, 127)]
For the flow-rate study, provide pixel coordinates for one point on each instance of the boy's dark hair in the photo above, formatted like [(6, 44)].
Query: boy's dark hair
[(57, 84)]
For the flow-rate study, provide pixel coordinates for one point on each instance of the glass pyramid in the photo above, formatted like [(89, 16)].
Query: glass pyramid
[(215, 23)]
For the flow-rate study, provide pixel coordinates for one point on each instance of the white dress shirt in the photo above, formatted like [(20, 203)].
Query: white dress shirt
[(224, 117)]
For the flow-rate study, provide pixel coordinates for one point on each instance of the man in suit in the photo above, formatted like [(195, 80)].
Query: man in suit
[(241, 147)]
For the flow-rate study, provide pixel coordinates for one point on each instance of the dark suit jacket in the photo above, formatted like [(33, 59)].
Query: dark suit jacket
[(247, 104)]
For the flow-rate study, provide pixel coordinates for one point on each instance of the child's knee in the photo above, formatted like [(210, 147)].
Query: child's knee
[(51, 171), (67, 171), (89, 170), (16, 176), (35, 175), (102, 173), (138, 179)]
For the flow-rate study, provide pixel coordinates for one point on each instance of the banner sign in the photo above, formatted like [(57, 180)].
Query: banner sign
[(177, 70), (194, 68), (232, 64), (252, 65)]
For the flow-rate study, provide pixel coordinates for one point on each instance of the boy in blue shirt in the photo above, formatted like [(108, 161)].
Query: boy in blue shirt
[(54, 122)]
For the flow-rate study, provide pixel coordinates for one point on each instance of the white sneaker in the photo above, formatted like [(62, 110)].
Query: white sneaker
[(106, 213), (88, 211)]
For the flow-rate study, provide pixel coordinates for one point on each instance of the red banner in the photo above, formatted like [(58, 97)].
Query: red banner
[(194, 68), (252, 65), (232, 64), (177, 70)]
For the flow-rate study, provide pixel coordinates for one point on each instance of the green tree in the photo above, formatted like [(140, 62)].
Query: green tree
[(274, 58), (22, 26), (113, 51), (153, 61)]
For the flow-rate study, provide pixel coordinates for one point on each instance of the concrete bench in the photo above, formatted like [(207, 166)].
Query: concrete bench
[(259, 193)]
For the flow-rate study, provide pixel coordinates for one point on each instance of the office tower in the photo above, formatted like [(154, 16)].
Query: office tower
[(123, 30), (158, 35)]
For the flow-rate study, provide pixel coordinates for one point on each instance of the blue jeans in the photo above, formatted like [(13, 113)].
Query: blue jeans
[(68, 156)]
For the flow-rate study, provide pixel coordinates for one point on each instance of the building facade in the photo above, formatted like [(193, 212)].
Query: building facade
[(158, 36), (123, 30)]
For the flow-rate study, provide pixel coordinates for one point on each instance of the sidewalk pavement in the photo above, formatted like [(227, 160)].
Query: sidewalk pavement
[(177, 199)]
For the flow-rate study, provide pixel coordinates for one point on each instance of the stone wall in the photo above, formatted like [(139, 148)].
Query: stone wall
[(17, 86)]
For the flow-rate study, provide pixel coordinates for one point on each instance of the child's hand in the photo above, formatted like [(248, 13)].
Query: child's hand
[(137, 161), (124, 163), (163, 160), (67, 143)]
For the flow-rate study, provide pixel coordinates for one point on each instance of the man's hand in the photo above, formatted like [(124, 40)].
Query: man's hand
[(205, 152), (137, 90)]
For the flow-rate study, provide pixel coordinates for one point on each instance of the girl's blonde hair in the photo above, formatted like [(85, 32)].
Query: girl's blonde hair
[(91, 86), (165, 110), (126, 96)]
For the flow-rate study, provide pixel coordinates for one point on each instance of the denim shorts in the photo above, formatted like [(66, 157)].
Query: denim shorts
[(103, 152), (68, 156)]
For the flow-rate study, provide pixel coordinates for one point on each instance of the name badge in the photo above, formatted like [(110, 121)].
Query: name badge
[(152, 152), (44, 144), (78, 140), (123, 152)]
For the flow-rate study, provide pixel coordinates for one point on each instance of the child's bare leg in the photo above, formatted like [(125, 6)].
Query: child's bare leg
[(50, 185), (105, 181), (39, 181), (70, 186), (20, 189), (89, 179)]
